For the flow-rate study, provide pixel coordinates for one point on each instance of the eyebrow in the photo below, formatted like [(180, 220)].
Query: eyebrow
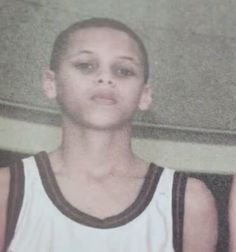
[(85, 51), (80, 52), (131, 59)]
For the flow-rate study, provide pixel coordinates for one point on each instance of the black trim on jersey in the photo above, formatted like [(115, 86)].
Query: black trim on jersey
[(15, 199), (137, 207), (178, 193)]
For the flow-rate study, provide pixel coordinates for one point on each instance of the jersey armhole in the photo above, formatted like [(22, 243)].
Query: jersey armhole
[(178, 192), (15, 199)]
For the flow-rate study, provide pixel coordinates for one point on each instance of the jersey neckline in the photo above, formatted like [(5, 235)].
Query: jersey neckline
[(142, 200)]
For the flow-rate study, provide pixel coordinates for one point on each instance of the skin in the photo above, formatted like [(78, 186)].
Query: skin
[(200, 218), (99, 86)]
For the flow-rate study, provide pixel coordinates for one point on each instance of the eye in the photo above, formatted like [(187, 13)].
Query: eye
[(124, 71), (86, 67)]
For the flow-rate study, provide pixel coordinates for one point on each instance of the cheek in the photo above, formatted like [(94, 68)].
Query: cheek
[(133, 93), (66, 94), (131, 101), (66, 86)]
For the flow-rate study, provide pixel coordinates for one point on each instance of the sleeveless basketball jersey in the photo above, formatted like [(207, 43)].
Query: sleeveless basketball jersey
[(40, 219)]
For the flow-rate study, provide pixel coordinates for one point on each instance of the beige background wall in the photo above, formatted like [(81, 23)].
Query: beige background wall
[(21, 136)]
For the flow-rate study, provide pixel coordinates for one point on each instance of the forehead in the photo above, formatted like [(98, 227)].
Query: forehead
[(103, 37)]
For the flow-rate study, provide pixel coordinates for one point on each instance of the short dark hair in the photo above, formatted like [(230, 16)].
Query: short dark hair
[(60, 44)]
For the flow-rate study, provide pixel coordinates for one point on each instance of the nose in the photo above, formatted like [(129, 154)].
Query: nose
[(102, 81), (105, 77)]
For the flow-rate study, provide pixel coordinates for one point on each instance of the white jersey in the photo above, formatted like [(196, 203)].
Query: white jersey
[(46, 222)]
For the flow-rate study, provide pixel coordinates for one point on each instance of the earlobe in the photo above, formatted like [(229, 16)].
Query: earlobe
[(146, 98), (49, 85)]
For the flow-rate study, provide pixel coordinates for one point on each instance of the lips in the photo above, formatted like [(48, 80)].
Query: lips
[(104, 98)]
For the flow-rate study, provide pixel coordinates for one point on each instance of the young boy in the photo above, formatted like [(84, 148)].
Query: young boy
[(93, 193)]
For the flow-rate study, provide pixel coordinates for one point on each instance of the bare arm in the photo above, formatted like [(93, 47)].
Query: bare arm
[(4, 190), (232, 217), (200, 218)]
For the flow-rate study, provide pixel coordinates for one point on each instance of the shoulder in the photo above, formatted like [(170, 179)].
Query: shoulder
[(200, 217), (198, 197), (199, 201), (4, 192)]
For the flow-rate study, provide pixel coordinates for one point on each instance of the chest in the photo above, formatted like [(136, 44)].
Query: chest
[(101, 198)]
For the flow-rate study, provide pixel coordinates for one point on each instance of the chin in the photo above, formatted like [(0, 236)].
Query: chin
[(112, 120), (101, 123), (108, 125)]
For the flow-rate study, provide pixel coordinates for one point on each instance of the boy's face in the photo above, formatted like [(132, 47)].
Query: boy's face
[(100, 79)]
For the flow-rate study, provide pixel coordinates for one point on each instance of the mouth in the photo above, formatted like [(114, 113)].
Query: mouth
[(104, 99)]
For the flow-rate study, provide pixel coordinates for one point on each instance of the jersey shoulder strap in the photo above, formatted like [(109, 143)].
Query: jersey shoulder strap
[(178, 193), (15, 199)]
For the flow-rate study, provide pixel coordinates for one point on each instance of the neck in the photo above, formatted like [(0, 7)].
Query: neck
[(87, 149)]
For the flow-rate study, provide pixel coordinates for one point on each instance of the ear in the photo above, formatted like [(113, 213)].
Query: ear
[(49, 84), (146, 98)]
